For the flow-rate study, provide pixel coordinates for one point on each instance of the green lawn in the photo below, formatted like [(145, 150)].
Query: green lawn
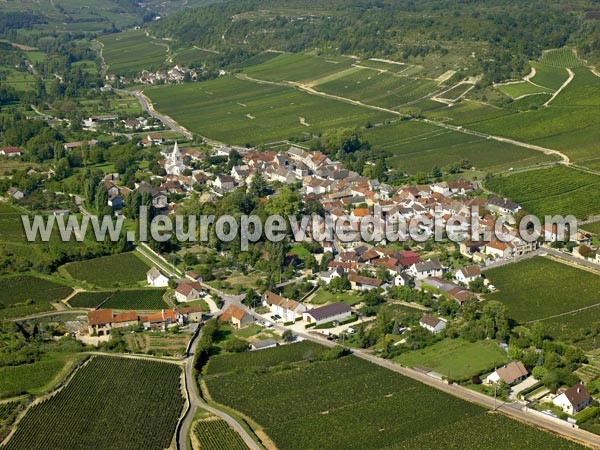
[(540, 287), (456, 358), (124, 269), (323, 296)]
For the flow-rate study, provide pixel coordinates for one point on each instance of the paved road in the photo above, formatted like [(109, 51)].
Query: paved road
[(197, 402), (166, 120)]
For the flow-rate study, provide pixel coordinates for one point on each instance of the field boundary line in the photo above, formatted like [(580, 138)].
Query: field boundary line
[(564, 85), (564, 314)]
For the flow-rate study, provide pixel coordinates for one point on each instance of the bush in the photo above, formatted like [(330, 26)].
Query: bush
[(309, 325)]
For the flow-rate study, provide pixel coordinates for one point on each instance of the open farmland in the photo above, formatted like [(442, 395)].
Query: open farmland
[(418, 146), (557, 190), (565, 289), (32, 378), (374, 408), (298, 67), (516, 90), (89, 299), (240, 111), (561, 57), (132, 51), (213, 433), (137, 299), (101, 397), (457, 359), (373, 87), (455, 92), (22, 295), (549, 76), (115, 270)]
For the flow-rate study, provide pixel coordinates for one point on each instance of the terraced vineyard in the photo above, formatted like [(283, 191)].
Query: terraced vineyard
[(102, 408), (561, 57), (589, 372), (216, 434), (359, 405), (558, 190), (457, 91), (132, 51)]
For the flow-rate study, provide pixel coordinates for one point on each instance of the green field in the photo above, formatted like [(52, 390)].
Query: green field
[(124, 269), (30, 378), (298, 67), (240, 111), (457, 359), (147, 299), (381, 65), (102, 408), (137, 299), (561, 57), (323, 296), (455, 92), (358, 405), (549, 76), (522, 88), (216, 434), (22, 295), (557, 190), (132, 51), (378, 88), (419, 146), (539, 288)]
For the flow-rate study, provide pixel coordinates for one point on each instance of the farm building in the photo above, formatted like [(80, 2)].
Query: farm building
[(188, 291), (156, 279), (365, 283), (433, 324), (261, 345), (511, 373), (102, 321), (10, 152), (289, 310), (328, 313), (574, 399), (237, 317)]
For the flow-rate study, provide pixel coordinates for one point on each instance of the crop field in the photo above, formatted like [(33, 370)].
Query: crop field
[(241, 111), (101, 397), (456, 358), (516, 90), (465, 112), (25, 294), (418, 146), (558, 190), (190, 56), (89, 299), (115, 270), (581, 91), (132, 51), (216, 434), (380, 89), (359, 405), (549, 76), (455, 92), (561, 57), (8, 414), (529, 102), (565, 288), (592, 227), (298, 67), (137, 299), (387, 66), (29, 378), (159, 344)]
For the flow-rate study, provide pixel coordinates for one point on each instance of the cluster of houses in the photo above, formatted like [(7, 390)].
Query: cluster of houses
[(102, 321), (176, 74)]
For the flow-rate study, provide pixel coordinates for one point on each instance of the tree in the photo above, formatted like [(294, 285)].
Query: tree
[(288, 336), (258, 185)]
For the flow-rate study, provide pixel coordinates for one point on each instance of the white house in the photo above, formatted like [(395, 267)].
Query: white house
[(261, 345), (188, 291), (328, 275), (498, 249), (467, 274), (365, 283), (422, 270), (156, 279), (433, 324), (328, 313), (573, 400), (510, 373), (289, 310)]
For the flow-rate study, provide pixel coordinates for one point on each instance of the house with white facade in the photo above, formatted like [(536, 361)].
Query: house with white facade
[(433, 324), (155, 278), (574, 399)]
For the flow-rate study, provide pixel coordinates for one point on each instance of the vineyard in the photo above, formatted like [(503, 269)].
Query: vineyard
[(358, 405), (109, 271), (111, 403), (562, 57), (25, 294), (215, 434), (8, 413), (137, 299), (89, 299), (558, 190)]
